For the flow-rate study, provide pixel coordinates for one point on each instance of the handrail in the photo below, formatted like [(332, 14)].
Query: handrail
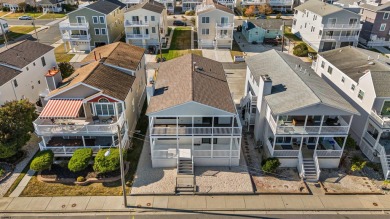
[(317, 165), (192, 162), (301, 168), (384, 162)]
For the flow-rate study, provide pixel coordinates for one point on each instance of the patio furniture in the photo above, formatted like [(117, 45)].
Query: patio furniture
[(95, 119), (52, 121), (327, 145), (332, 122), (299, 121)]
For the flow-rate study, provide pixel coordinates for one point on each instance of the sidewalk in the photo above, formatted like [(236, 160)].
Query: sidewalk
[(197, 203)]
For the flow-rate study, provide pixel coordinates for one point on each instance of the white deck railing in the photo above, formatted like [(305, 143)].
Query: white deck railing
[(137, 36), (130, 23), (69, 150), (317, 165), (224, 25), (382, 120), (384, 161), (76, 37), (66, 25), (369, 139), (286, 153), (329, 153), (164, 154), (357, 26), (343, 38), (301, 168), (196, 131)]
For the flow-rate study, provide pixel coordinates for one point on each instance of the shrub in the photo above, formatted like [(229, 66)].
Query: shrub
[(301, 50), (80, 179), (270, 165), (375, 166), (190, 13), (357, 163), (80, 159), (105, 164), (279, 16), (42, 161), (2, 172), (66, 69)]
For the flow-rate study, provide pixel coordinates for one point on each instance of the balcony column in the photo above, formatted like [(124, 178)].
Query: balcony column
[(43, 141), (315, 149), (377, 139), (322, 121), (116, 111), (300, 145), (177, 126), (304, 125), (349, 124), (82, 137), (273, 145), (113, 141), (344, 142)]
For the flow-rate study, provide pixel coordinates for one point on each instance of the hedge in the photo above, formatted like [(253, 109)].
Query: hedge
[(80, 159), (270, 165), (301, 50), (105, 164), (42, 161)]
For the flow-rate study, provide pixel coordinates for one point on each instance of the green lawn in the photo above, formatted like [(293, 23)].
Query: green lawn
[(62, 55), (52, 16), (36, 188), (16, 31), (2, 13), (16, 15), (181, 44), (288, 34)]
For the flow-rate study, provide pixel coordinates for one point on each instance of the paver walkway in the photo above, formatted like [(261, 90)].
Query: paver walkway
[(198, 203)]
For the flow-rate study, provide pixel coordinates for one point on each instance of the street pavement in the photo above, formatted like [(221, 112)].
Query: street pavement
[(39, 22)]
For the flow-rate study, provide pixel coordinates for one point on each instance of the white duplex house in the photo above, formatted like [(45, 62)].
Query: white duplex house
[(101, 99), (22, 71), (215, 25), (363, 78), (145, 23), (324, 26), (192, 116), (295, 114)]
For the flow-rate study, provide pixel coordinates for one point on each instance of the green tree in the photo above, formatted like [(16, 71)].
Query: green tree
[(250, 11), (265, 9), (66, 69), (16, 119), (22, 6), (301, 50), (80, 159), (104, 164), (270, 165)]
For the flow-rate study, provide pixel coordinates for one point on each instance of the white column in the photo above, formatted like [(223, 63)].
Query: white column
[(322, 121), (304, 125), (300, 146), (230, 152), (82, 137), (43, 141), (318, 139), (345, 141), (377, 139), (113, 141)]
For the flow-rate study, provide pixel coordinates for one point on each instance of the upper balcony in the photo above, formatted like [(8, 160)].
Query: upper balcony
[(76, 37), (224, 26), (130, 23), (226, 1), (341, 38), (382, 120), (165, 1), (131, 1), (134, 36), (281, 2), (253, 2), (66, 25), (356, 26), (192, 1), (102, 125), (219, 36)]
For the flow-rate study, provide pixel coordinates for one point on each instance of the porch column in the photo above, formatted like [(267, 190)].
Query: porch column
[(318, 139), (304, 125), (300, 146), (177, 126), (349, 124), (212, 146), (377, 139), (322, 121), (116, 111), (230, 152), (192, 125), (43, 141), (345, 141), (192, 146), (82, 137), (273, 145), (113, 140), (212, 126), (233, 125)]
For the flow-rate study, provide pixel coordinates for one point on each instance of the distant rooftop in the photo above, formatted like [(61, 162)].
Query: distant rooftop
[(320, 8)]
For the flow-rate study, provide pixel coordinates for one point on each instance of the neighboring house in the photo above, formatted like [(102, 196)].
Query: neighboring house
[(363, 78), (324, 26), (228, 3), (22, 71), (215, 25), (13, 5), (376, 25), (91, 106), (190, 5), (94, 25), (130, 3), (192, 116), (256, 30), (145, 23), (4, 26), (296, 115), (351, 5), (51, 5), (277, 5), (169, 5)]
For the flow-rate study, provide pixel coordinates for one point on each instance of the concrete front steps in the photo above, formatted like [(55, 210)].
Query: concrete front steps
[(310, 170), (185, 180)]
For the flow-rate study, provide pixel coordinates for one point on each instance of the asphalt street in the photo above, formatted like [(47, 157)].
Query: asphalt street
[(40, 22)]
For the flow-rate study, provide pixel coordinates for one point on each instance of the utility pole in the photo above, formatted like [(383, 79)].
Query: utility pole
[(283, 37), (35, 29), (159, 41), (4, 35), (122, 166)]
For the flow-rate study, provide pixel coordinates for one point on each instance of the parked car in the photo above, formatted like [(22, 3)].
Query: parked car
[(179, 23), (271, 41), (261, 16), (25, 17)]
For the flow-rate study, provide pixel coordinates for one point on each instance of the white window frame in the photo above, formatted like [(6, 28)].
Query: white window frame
[(101, 105), (353, 87), (97, 30), (205, 20), (104, 20), (101, 31), (93, 19), (205, 31), (384, 27), (359, 94), (386, 16)]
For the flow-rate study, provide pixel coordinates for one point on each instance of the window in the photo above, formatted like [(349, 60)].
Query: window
[(320, 32), (101, 19), (205, 31), (343, 79), (361, 94), (352, 87), (104, 108), (39, 82), (322, 64), (152, 18), (95, 19), (97, 31), (294, 22), (153, 29), (15, 83), (103, 100), (146, 18), (103, 31), (386, 16), (43, 61), (383, 27), (205, 20), (330, 70)]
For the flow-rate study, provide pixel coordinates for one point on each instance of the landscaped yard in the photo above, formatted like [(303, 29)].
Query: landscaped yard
[(52, 16), (62, 55), (16, 15), (16, 31), (181, 44), (288, 34), (37, 188)]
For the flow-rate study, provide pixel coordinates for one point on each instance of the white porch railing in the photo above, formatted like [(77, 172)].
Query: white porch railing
[(196, 131), (73, 26), (137, 36), (369, 139), (224, 26), (384, 161), (382, 120), (301, 168), (130, 23), (76, 37), (329, 153), (309, 129), (164, 154), (67, 150), (356, 26), (270, 148), (223, 36), (342, 38), (286, 153), (317, 165)]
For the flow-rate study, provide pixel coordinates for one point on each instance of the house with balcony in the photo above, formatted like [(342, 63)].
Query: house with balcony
[(363, 78), (276, 5), (94, 25), (130, 3), (23, 66), (52, 5), (192, 117), (294, 114), (146, 24), (228, 3), (325, 26), (13, 5), (169, 5), (101, 99), (215, 25), (256, 30), (190, 5), (376, 24)]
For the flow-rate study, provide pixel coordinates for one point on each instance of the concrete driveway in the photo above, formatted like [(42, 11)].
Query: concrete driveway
[(220, 55), (251, 49)]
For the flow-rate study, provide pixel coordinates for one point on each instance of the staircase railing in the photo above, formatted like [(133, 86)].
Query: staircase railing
[(301, 168), (317, 165), (177, 164), (384, 161), (192, 162)]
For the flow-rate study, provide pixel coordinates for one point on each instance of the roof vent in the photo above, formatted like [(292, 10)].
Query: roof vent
[(371, 63), (368, 58), (340, 50)]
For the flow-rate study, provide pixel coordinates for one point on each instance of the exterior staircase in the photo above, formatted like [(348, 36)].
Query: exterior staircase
[(185, 179), (384, 156), (185, 166), (310, 170)]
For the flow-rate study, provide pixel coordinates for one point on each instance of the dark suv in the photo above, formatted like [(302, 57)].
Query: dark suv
[(179, 23)]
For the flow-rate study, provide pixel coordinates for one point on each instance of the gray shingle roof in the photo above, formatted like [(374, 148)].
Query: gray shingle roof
[(356, 62), (7, 74), (270, 24), (320, 8), (384, 7), (149, 5), (23, 53), (178, 83), (295, 84), (106, 6), (217, 6)]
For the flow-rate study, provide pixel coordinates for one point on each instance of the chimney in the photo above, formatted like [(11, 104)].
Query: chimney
[(265, 85), (150, 88), (193, 66), (53, 78)]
